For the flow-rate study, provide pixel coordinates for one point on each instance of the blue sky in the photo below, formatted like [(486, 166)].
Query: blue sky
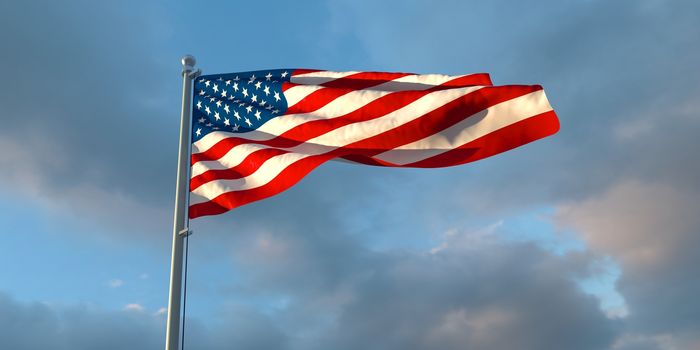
[(585, 240)]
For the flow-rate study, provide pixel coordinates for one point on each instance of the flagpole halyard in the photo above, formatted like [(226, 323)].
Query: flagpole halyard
[(181, 219)]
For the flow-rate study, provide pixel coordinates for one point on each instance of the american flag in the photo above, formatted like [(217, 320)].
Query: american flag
[(255, 134)]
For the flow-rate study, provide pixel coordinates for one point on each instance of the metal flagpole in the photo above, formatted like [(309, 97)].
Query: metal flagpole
[(181, 219)]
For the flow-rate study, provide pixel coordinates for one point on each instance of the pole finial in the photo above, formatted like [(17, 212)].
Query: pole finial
[(188, 62)]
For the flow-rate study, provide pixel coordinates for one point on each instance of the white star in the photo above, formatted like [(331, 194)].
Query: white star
[(228, 82), (218, 104), (206, 109), (235, 127), (252, 79), (275, 111), (201, 120), (257, 85), (241, 104), (212, 99), (223, 93), (247, 121), (267, 90), (255, 98), (216, 116), (249, 109), (226, 109), (206, 83), (208, 124), (216, 128), (201, 92), (262, 103), (235, 86), (238, 116), (245, 92), (268, 76), (201, 80), (226, 122), (236, 78), (269, 107), (215, 88), (284, 74), (257, 114), (199, 131), (199, 104), (277, 96)]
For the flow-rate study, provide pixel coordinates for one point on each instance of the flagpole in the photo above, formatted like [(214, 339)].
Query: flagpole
[(181, 219)]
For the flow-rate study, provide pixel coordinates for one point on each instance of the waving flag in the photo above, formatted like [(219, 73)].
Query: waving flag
[(255, 134)]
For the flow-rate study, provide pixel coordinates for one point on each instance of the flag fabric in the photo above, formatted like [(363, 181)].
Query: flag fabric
[(255, 134)]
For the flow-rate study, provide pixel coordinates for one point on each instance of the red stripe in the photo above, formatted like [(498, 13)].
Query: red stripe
[(366, 160), (501, 140), (317, 99), (248, 166), (363, 80), (229, 200), (340, 87), (300, 71), (417, 129), (470, 80)]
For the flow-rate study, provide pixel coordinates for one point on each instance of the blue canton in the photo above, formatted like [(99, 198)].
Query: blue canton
[(237, 102)]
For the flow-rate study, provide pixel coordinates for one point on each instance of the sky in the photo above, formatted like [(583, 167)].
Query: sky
[(585, 240)]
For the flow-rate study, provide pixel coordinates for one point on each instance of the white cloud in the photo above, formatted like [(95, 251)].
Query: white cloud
[(115, 283), (134, 307)]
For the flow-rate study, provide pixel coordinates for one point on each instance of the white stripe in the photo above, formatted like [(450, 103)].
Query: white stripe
[(327, 142), (268, 171), (297, 93), (318, 78), (470, 129), (416, 82), (408, 82)]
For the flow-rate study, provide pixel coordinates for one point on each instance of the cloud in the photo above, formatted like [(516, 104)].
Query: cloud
[(133, 307), (115, 283), (80, 327), (85, 120), (328, 289), (651, 230)]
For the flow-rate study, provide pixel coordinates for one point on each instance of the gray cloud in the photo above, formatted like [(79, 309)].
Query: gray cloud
[(85, 118), (652, 231), (41, 326)]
